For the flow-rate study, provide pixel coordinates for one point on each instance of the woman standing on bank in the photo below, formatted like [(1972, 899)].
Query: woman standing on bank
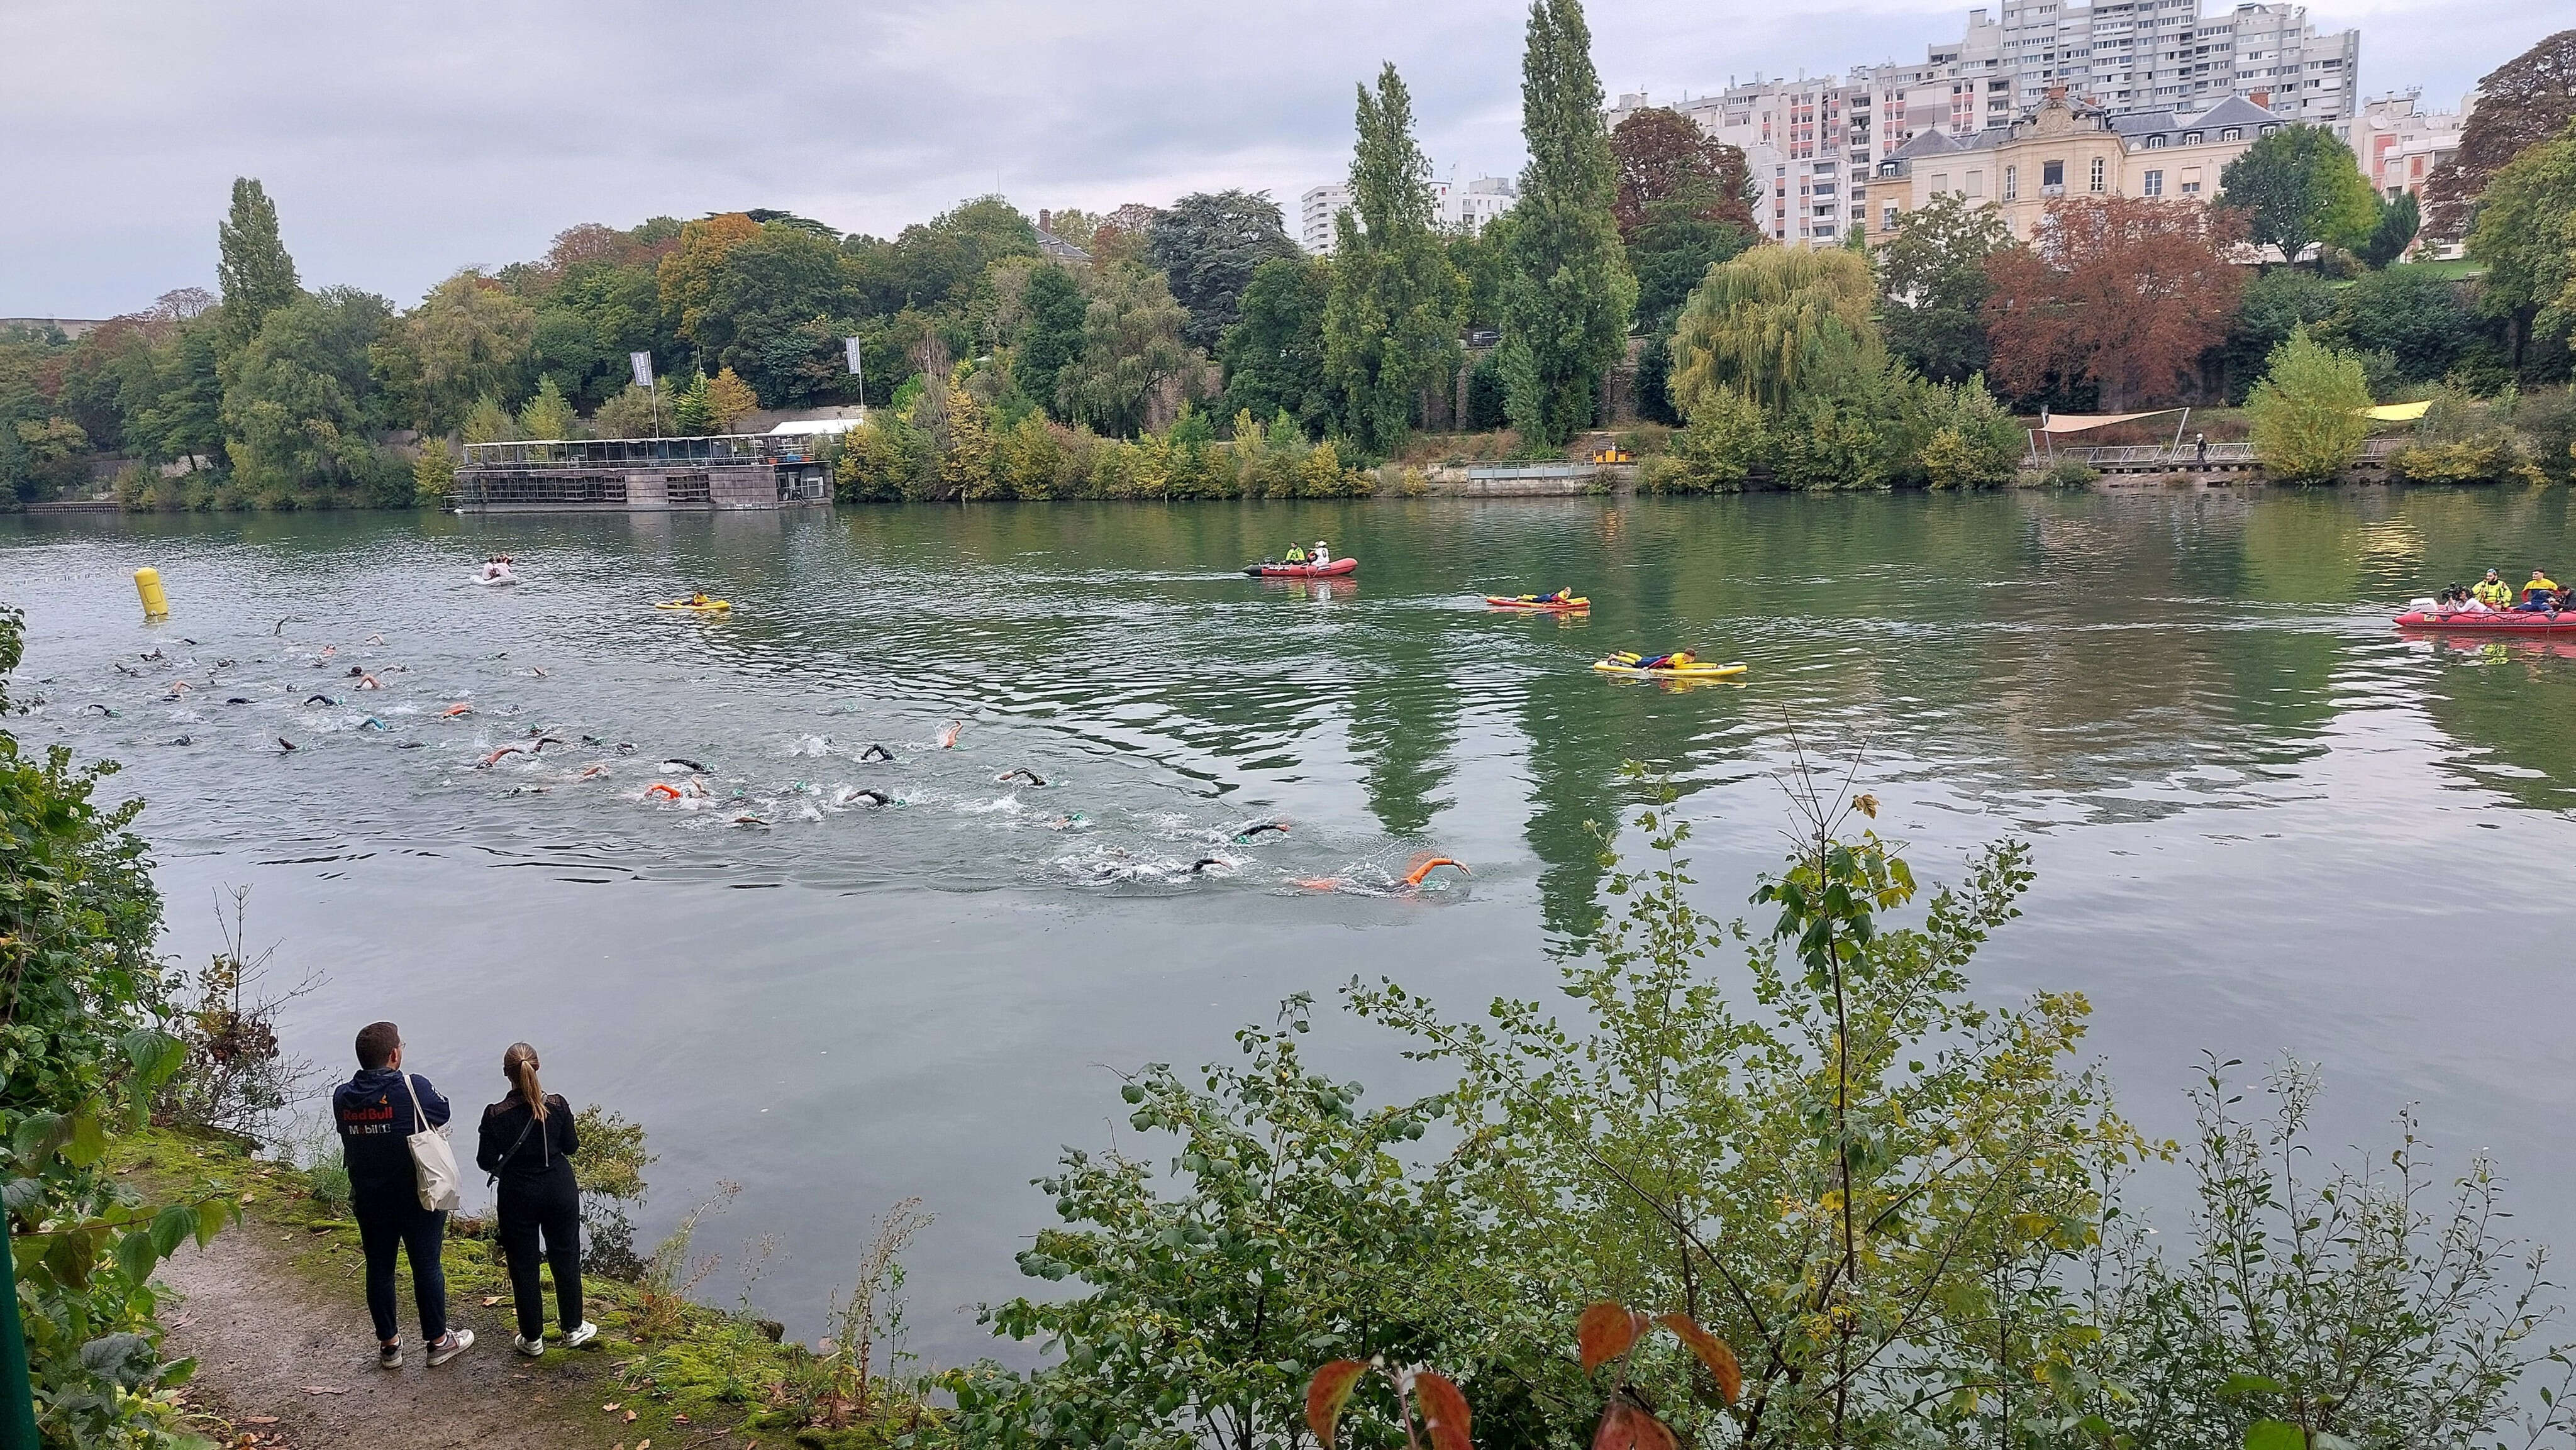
[(526, 1143)]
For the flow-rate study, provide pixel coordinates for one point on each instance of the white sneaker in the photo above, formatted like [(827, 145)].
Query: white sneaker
[(576, 1338), (389, 1355), (529, 1347), (457, 1342)]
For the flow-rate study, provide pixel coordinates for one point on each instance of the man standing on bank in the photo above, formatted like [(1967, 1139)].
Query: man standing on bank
[(526, 1143), (377, 1112)]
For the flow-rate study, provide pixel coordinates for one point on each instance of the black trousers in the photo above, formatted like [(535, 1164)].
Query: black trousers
[(548, 1209), (389, 1225)]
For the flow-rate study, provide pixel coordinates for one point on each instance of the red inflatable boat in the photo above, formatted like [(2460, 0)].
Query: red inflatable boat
[(2506, 622), (1266, 570)]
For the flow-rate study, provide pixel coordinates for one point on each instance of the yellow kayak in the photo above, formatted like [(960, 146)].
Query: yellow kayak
[(710, 607), (1616, 665)]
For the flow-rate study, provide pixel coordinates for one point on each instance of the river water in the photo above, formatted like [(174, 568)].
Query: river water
[(2264, 824)]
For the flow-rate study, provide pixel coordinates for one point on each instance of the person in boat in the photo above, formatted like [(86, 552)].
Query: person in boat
[(2493, 592), (698, 598), (2540, 596), (1296, 555), (2462, 601), (1321, 557)]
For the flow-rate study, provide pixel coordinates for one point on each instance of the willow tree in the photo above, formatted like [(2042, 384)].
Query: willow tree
[(1567, 305), (1391, 323), (1773, 323)]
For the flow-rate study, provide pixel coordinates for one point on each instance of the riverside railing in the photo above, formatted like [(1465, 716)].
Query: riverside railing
[(2188, 455)]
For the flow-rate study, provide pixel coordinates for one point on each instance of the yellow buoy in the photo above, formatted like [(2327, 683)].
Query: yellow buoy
[(156, 604)]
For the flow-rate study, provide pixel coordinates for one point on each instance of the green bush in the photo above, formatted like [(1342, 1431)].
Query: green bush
[(83, 1028), (2307, 423)]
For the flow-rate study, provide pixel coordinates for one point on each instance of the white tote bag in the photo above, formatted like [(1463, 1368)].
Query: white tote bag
[(433, 1159)]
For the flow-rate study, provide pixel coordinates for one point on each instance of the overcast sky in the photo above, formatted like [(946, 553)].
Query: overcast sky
[(403, 140)]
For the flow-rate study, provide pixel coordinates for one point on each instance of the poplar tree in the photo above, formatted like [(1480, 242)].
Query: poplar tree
[(1566, 309), (257, 276), (1391, 323)]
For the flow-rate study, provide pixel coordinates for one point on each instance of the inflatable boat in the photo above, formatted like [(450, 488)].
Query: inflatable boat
[(1268, 570), (2492, 622)]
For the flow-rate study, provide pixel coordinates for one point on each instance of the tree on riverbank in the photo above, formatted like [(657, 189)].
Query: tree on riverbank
[(2307, 422), (2122, 292), (1391, 321), (251, 265), (1569, 294)]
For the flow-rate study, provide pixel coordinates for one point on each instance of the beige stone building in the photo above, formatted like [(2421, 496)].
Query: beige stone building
[(2069, 148)]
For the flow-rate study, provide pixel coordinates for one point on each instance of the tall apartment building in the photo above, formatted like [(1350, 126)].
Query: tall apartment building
[(2140, 55), (1812, 144), (1465, 207)]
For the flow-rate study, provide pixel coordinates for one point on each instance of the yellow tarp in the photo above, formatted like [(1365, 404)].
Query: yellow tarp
[(2397, 412)]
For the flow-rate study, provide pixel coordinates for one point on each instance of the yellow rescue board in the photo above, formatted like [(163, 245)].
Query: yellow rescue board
[(709, 607), (1686, 672)]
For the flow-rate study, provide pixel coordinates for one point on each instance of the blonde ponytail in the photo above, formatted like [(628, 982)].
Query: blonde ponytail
[(519, 1065)]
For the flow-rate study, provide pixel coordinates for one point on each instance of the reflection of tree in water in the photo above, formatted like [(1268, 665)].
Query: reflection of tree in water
[(1404, 719), (2513, 706)]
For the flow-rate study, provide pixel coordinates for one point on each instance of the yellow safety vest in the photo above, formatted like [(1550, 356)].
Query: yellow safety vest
[(2493, 594)]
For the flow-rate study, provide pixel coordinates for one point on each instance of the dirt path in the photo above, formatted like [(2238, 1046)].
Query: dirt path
[(270, 1342)]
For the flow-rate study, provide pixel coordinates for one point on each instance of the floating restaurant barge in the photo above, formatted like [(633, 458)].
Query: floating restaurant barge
[(645, 475)]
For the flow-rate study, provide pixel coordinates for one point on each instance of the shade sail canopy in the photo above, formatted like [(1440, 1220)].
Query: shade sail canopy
[(2085, 422), (2397, 412)]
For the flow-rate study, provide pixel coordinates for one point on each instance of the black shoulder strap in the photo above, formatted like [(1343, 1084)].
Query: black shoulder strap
[(514, 1146)]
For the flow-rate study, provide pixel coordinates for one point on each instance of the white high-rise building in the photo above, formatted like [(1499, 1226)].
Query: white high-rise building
[(1459, 208), (2400, 143), (1806, 149), (2162, 55)]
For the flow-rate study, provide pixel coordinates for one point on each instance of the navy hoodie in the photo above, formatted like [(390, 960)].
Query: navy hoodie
[(374, 1116)]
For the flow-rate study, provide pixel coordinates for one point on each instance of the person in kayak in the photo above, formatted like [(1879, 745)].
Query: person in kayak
[(2493, 592), (1674, 661)]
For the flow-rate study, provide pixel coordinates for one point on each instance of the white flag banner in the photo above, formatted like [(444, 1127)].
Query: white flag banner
[(642, 362), (850, 346)]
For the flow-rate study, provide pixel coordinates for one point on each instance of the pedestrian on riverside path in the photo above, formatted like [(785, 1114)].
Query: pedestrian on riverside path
[(377, 1112), (2200, 441), (526, 1143)]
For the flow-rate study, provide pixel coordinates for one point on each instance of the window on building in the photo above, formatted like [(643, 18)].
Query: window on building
[(2052, 177), (2153, 184), (2191, 181), (1976, 183), (1940, 182), (2012, 182), (1887, 216), (2232, 133), (2191, 138), (2155, 143), (2100, 173)]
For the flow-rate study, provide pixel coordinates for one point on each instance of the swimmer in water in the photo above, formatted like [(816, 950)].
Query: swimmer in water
[(285, 745), (1414, 877), (593, 772), (1259, 828), (375, 639), (1412, 881), (369, 682), (320, 700), (237, 700), (452, 711), (876, 752), (684, 760), (1031, 776), (372, 723), (845, 797), (1204, 862), (487, 762), (946, 739)]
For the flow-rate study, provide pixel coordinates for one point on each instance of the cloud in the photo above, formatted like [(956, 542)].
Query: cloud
[(405, 139)]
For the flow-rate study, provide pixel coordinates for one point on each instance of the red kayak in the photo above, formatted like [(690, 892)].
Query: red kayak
[(1343, 565), (2505, 622)]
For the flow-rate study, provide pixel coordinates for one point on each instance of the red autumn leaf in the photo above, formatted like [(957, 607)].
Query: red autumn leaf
[(1605, 1332), (1712, 1351), (1444, 1411), (1626, 1425), (1327, 1393)]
